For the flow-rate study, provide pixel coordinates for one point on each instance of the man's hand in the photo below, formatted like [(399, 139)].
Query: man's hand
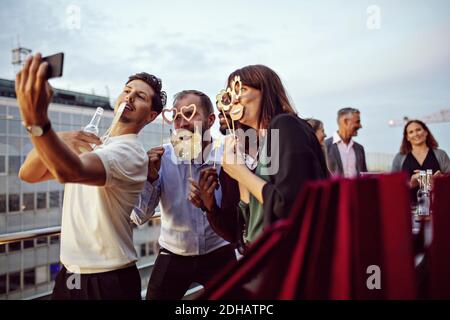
[(154, 163), (202, 193), (78, 141), (33, 91), (194, 194)]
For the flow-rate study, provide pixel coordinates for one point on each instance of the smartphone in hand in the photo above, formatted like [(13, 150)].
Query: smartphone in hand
[(55, 65)]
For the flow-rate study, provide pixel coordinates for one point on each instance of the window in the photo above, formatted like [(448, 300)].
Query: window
[(14, 202), (143, 250), (28, 244), (54, 199), (13, 164), (41, 274), (54, 116), (14, 111), (77, 120), (14, 281), (27, 146), (41, 241), (54, 239), (27, 201), (2, 124), (41, 200), (15, 246), (2, 164), (29, 277), (14, 126), (2, 248), (151, 248), (3, 284), (2, 203)]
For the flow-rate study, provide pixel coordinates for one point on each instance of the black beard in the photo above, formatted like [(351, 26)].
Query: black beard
[(124, 119)]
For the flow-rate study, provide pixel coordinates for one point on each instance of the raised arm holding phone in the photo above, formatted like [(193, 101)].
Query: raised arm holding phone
[(101, 185)]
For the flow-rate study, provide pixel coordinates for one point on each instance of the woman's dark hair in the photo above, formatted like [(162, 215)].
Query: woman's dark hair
[(406, 147), (314, 123), (274, 99)]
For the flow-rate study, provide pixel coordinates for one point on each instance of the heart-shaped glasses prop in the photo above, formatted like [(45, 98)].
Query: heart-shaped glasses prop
[(225, 99), (170, 115), (187, 145)]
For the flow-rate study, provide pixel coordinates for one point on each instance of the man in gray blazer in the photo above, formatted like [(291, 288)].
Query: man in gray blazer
[(346, 157)]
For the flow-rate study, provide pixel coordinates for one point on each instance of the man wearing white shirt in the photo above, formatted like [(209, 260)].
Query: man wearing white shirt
[(345, 156), (97, 253)]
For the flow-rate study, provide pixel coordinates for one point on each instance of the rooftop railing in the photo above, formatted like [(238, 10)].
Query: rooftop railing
[(145, 269)]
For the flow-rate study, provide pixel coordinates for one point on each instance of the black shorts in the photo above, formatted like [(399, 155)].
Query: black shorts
[(122, 284)]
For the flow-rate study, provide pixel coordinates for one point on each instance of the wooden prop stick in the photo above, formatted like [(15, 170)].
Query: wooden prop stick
[(162, 130), (226, 120), (234, 130), (216, 146)]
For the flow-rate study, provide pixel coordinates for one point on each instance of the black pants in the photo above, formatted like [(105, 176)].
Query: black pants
[(173, 274), (122, 284)]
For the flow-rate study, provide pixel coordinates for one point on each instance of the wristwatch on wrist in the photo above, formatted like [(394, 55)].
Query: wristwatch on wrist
[(36, 130)]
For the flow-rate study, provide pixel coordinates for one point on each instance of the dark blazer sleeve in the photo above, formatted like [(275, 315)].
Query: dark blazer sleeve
[(300, 158), (361, 164), (363, 157), (334, 158), (226, 219)]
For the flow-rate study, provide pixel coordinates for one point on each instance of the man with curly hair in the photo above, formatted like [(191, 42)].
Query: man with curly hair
[(101, 186)]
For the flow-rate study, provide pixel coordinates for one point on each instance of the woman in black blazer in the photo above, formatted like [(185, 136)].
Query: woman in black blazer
[(290, 153)]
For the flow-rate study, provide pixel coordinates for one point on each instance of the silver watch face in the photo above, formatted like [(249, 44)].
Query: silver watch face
[(36, 131)]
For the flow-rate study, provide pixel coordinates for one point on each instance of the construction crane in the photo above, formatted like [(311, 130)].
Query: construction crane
[(437, 117)]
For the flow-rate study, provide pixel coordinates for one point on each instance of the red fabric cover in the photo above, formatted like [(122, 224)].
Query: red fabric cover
[(336, 230), (439, 252), (398, 272)]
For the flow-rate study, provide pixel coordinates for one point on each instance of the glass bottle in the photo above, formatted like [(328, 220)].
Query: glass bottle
[(92, 127), (423, 197)]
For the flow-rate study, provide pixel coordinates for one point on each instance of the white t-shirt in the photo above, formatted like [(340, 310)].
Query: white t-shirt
[(96, 232)]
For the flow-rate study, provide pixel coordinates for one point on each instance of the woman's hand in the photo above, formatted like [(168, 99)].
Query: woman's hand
[(234, 165), (414, 182)]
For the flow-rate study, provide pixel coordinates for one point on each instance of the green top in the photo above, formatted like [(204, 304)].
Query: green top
[(253, 212)]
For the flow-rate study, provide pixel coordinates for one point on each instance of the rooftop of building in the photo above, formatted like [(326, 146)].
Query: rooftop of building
[(61, 96)]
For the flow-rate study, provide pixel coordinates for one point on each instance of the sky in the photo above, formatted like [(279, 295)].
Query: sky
[(388, 58)]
